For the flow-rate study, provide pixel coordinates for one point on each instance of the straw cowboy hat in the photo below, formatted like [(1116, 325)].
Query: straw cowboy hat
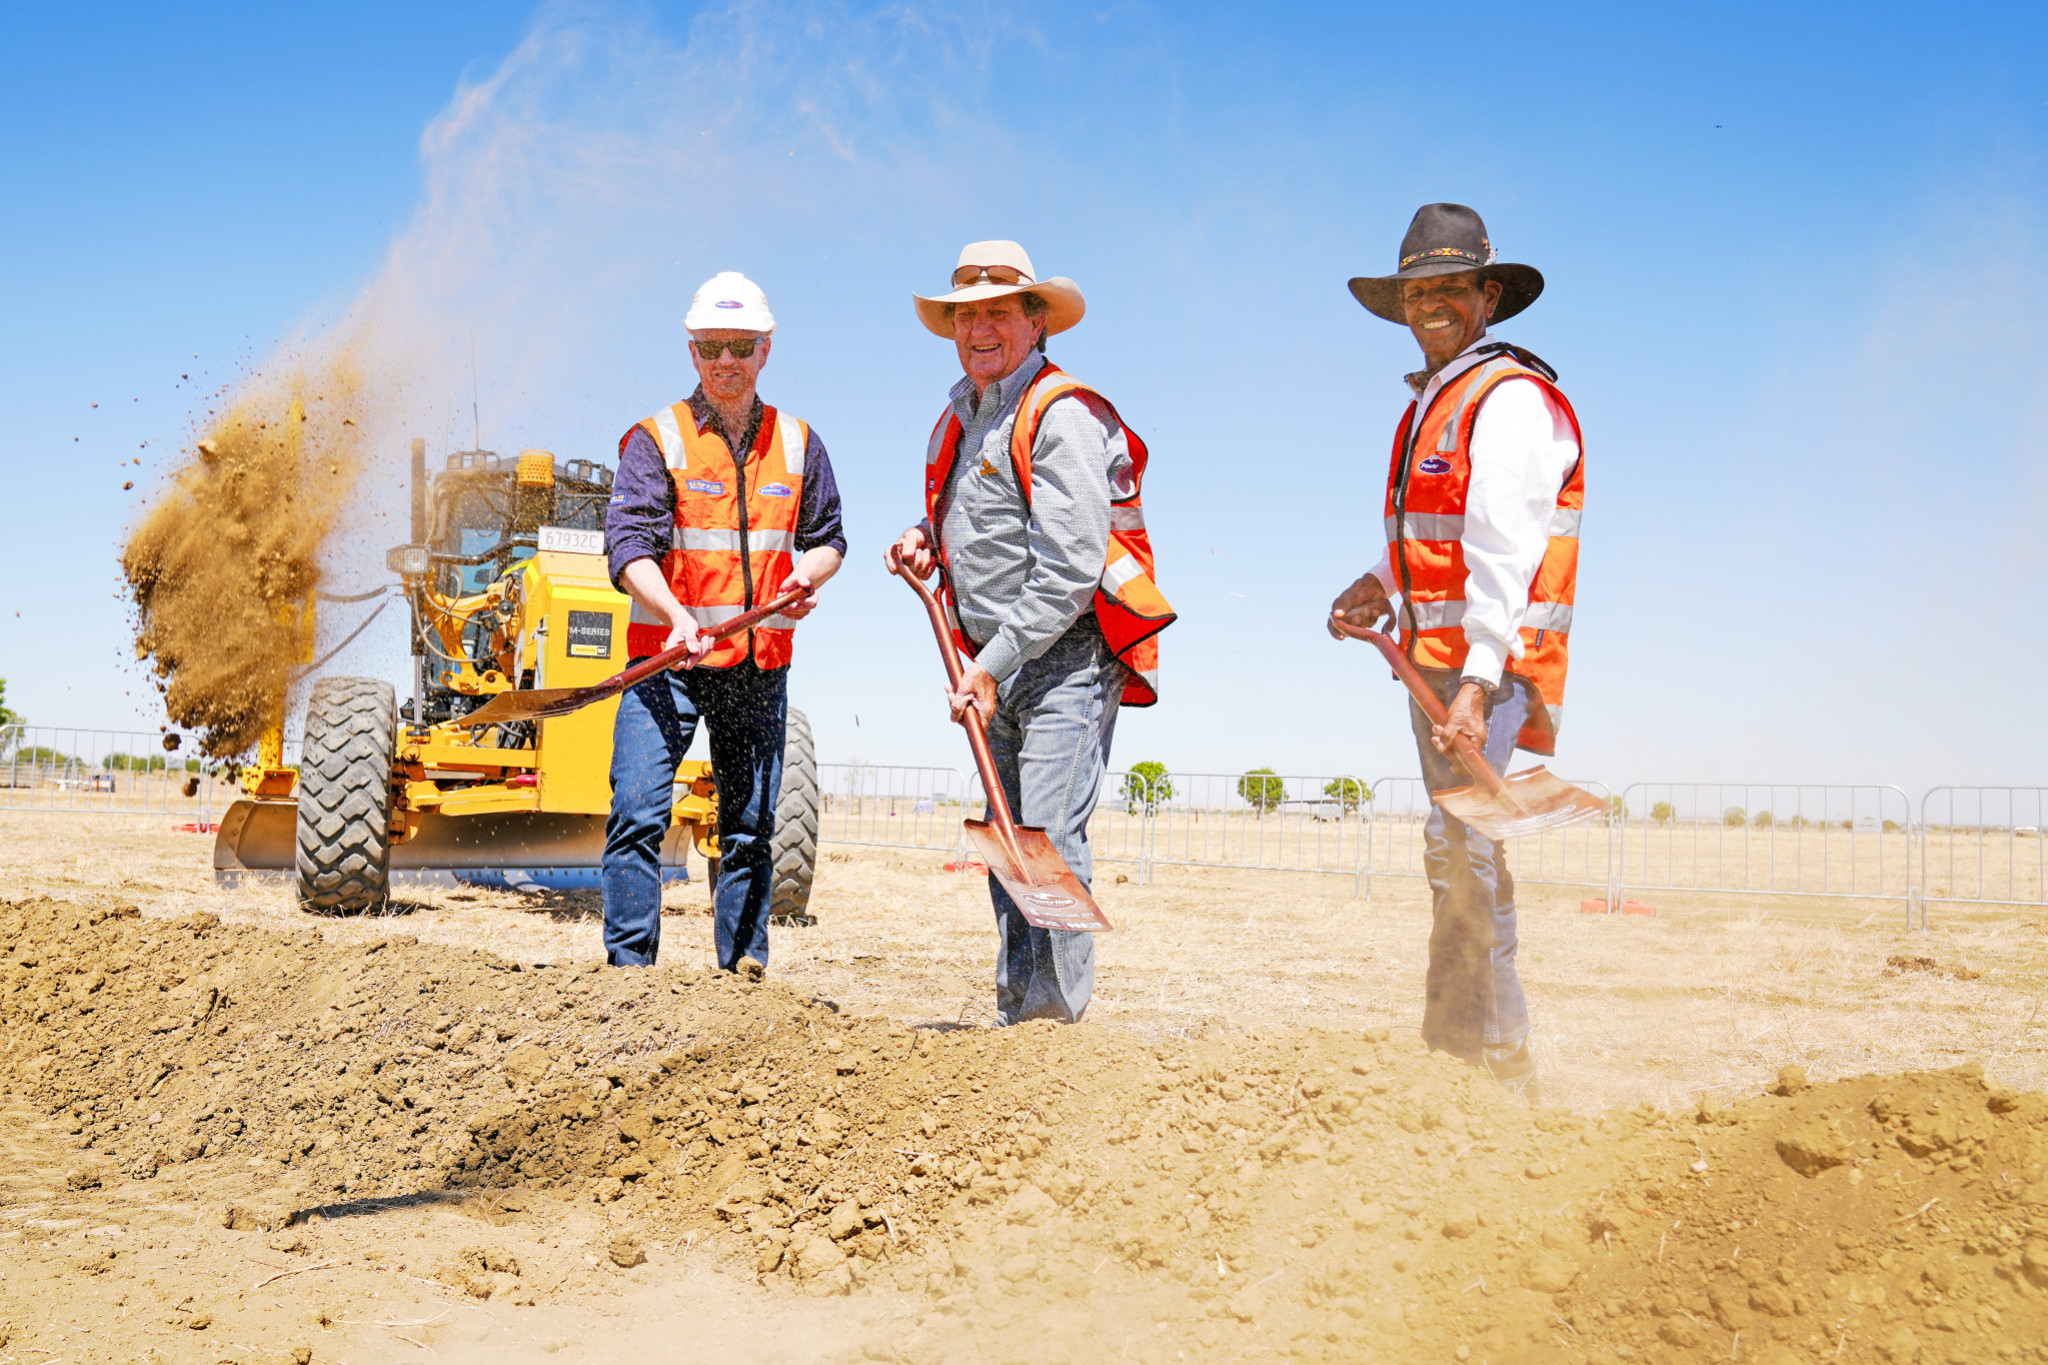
[(1446, 239), (995, 270)]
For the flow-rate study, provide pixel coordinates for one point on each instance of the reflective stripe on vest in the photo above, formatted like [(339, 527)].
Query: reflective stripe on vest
[(1128, 604), (1425, 520), (706, 566)]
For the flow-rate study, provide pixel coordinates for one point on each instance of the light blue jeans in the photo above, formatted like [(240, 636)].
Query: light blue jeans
[(1050, 737)]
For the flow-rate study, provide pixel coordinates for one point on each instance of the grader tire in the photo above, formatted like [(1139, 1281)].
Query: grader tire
[(344, 826), (796, 826)]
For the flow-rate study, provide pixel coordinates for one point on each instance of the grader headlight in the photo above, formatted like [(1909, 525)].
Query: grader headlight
[(409, 561)]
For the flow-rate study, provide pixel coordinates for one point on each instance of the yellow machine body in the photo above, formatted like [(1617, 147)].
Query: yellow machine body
[(472, 799)]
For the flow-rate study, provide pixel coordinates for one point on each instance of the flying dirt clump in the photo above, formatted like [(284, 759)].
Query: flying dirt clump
[(223, 567)]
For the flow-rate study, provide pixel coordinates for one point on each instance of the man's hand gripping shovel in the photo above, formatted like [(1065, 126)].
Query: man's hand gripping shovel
[(547, 702), (1522, 803), (1021, 857)]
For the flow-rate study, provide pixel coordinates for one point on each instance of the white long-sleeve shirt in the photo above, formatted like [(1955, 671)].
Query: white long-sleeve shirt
[(1523, 449)]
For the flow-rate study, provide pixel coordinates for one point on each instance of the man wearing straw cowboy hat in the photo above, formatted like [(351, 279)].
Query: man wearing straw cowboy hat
[(1033, 517), (1482, 519)]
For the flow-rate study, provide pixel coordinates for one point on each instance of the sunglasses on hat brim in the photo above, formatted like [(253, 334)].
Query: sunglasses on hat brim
[(989, 274)]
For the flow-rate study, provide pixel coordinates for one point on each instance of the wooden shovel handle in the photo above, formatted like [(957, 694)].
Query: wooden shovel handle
[(977, 735), (669, 658), (1425, 697)]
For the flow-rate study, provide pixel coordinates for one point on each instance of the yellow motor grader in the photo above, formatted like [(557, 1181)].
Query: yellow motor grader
[(507, 585)]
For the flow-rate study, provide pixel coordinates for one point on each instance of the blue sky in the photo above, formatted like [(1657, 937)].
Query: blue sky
[(1794, 290)]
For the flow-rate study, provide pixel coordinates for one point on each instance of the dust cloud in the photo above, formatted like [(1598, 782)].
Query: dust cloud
[(532, 299), (224, 565)]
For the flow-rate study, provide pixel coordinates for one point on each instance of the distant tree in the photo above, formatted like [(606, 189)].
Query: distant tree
[(1891, 827), (1733, 816), (1348, 790), (1617, 809), (1762, 820), (1261, 789), (1146, 784), (8, 717), (1662, 812)]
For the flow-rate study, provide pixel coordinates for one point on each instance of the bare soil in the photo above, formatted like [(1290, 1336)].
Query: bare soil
[(235, 1133)]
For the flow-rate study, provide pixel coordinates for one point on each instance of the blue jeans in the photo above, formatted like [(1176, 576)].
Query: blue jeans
[(746, 706), (1050, 737), (1474, 994)]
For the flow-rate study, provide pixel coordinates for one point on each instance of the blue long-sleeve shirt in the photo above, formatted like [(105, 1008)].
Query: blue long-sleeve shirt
[(640, 522)]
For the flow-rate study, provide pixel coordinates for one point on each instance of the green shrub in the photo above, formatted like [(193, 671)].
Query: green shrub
[(1146, 785), (1348, 790), (1261, 789)]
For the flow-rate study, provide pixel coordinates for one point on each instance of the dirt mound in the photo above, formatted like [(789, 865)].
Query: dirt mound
[(1043, 1193), (227, 558)]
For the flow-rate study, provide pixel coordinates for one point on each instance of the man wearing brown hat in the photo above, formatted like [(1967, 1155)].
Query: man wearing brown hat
[(1484, 495), (1033, 517)]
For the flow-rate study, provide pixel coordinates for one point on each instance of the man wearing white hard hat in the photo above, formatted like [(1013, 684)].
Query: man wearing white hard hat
[(720, 504), (1033, 517)]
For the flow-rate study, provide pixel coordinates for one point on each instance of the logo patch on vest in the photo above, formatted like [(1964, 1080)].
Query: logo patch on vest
[(705, 486), (1435, 464), (774, 490)]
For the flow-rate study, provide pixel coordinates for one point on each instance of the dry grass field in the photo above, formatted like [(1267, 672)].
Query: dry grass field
[(1710, 995)]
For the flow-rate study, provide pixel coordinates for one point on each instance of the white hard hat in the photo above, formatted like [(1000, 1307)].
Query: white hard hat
[(730, 300)]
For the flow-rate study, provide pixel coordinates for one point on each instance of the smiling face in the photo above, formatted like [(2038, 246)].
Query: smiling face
[(728, 380), (994, 337), (1447, 313)]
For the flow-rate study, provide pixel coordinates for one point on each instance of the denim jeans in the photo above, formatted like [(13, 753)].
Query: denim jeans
[(1050, 737), (745, 706), (1474, 994)]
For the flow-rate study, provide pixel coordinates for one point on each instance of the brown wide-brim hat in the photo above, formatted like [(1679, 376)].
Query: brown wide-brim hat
[(1448, 239), (1064, 304)]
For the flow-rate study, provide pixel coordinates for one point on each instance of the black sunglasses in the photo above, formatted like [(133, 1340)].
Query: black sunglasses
[(742, 348)]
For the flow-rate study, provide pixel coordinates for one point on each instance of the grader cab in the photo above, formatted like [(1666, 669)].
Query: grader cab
[(506, 582)]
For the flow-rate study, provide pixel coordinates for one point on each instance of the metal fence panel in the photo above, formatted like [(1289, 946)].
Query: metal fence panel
[(1278, 822), (1580, 855), (1779, 839), (895, 806), (1984, 845), (107, 772)]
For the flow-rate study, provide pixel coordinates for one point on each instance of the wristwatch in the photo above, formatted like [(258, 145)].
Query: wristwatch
[(1486, 688)]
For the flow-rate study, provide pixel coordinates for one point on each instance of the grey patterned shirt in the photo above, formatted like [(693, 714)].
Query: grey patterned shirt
[(1023, 575)]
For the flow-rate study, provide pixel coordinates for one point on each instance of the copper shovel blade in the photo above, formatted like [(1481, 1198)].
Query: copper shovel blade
[(1045, 888), (509, 707), (1536, 801)]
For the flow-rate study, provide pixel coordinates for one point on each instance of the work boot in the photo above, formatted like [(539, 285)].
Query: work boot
[(752, 969), (1515, 1069)]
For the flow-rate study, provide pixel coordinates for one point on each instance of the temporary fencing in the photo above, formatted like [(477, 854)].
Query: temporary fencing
[(107, 772), (1968, 846), (1274, 822), (1984, 845), (1579, 855), (1811, 840), (1767, 839)]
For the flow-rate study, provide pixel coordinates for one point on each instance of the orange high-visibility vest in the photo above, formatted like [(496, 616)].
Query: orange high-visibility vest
[(1128, 604), (716, 570), (1427, 485)]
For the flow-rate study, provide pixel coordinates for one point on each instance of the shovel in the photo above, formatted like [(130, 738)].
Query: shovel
[(1524, 803), (543, 703), (1021, 857)]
